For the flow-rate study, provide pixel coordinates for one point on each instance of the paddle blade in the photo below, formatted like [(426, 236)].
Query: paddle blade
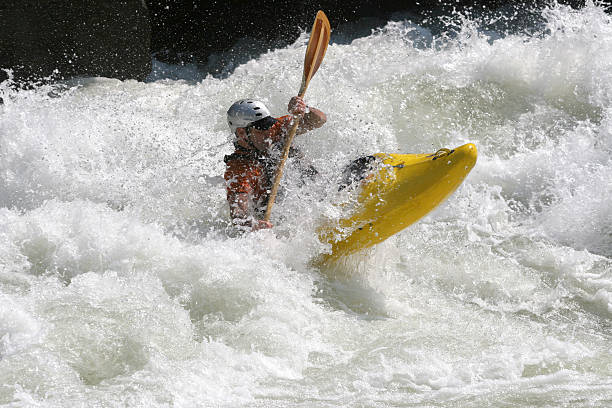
[(317, 46)]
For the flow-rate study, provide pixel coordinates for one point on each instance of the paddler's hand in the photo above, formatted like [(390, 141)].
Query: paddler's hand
[(260, 224), (297, 106)]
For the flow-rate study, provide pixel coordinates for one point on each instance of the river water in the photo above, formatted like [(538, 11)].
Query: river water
[(122, 284)]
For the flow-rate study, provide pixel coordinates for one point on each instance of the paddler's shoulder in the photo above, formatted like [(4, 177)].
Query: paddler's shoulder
[(284, 119), (283, 122)]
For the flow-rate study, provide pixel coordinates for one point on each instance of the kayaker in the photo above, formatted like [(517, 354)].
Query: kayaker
[(259, 140)]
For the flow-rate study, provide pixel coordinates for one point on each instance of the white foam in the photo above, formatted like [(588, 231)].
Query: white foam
[(121, 282)]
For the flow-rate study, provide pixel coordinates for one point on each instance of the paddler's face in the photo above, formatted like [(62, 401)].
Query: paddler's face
[(250, 131), (257, 131), (249, 135)]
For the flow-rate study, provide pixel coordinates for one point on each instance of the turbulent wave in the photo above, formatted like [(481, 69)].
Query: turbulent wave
[(122, 283)]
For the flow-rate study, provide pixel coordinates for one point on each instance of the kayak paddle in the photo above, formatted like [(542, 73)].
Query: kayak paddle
[(317, 45)]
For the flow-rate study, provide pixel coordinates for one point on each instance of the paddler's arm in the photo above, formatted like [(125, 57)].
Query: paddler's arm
[(239, 211), (312, 118)]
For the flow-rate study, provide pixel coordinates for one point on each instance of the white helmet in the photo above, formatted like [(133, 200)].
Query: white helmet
[(244, 112)]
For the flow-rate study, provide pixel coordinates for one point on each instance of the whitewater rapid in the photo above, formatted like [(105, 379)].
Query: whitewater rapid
[(123, 284)]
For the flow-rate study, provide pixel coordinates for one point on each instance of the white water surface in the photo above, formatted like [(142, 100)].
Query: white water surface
[(122, 284)]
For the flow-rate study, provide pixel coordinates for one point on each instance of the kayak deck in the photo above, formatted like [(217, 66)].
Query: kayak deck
[(400, 190)]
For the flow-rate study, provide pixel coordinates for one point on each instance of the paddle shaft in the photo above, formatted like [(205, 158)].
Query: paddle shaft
[(281, 165)]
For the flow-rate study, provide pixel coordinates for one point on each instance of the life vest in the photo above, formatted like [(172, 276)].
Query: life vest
[(249, 169)]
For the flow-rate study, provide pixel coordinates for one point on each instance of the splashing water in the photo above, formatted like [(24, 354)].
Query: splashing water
[(121, 282)]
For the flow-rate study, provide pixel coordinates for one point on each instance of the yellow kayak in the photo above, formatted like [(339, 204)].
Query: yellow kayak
[(399, 190)]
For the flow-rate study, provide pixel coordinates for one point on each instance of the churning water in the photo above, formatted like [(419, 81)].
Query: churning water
[(121, 283)]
